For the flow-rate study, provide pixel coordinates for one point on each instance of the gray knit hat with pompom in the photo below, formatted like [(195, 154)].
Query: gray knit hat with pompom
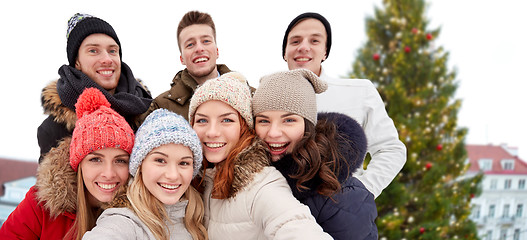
[(291, 91), (163, 127)]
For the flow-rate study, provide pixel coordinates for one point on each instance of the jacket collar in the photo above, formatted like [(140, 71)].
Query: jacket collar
[(247, 164), (183, 84), (53, 106), (56, 181)]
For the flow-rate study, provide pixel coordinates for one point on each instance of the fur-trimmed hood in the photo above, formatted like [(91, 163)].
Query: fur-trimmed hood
[(352, 141), (248, 163), (53, 106), (56, 181)]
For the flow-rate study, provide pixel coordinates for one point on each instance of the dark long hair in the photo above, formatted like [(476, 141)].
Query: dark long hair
[(317, 158)]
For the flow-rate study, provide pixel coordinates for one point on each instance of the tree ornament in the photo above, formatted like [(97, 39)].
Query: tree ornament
[(376, 56), (415, 31), (422, 230), (402, 21), (428, 166), (429, 36), (439, 147), (407, 49), (472, 195)]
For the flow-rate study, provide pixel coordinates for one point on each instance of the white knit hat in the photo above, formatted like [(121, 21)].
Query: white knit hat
[(231, 88)]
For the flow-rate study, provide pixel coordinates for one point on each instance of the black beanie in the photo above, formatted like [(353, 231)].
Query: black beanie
[(81, 26), (309, 15)]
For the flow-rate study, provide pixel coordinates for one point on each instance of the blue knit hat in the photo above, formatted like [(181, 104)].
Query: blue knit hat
[(163, 127)]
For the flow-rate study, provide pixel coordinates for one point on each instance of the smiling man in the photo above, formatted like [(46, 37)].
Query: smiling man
[(196, 34), (306, 44), (94, 60)]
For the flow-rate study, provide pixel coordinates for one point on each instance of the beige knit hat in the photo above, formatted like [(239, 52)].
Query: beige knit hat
[(231, 88), (291, 91)]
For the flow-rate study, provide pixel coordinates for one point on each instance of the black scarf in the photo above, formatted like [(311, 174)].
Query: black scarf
[(129, 99)]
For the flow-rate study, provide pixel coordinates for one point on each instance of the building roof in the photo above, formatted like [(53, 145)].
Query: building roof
[(15, 169), (496, 154)]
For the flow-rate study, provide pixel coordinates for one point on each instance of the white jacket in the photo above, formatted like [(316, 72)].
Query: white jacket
[(261, 206), (123, 223), (359, 99)]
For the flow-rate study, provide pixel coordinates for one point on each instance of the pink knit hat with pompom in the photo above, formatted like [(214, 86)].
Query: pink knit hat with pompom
[(97, 127)]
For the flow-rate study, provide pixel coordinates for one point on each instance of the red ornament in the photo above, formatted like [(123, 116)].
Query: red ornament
[(376, 56), (407, 49), (429, 36), (428, 166), (415, 31), (439, 147), (472, 195), (422, 230)]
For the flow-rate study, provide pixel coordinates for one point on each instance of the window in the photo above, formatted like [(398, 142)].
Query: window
[(507, 184), (516, 234), (493, 183), (519, 210), (506, 211), (489, 235), (521, 184), (475, 211), (507, 164), (485, 164), (492, 208), (503, 234)]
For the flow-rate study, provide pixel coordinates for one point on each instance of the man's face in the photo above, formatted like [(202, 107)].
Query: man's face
[(199, 51), (306, 45), (99, 59)]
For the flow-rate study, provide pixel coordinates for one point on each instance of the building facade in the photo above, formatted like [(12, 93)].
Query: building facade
[(16, 178), (500, 210), (15, 192)]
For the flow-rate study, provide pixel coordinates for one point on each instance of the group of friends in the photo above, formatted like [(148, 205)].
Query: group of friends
[(212, 157)]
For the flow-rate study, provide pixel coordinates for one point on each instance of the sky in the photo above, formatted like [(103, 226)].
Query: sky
[(485, 40)]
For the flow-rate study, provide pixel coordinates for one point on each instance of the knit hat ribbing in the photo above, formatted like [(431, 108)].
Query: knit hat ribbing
[(81, 26), (302, 16), (291, 91), (163, 127), (231, 88), (98, 126)]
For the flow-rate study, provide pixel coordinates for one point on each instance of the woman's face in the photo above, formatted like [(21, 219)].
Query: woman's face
[(167, 172), (218, 127), (280, 130), (103, 172)]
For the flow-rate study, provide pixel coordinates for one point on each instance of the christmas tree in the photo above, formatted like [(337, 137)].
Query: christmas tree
[(430, 198)]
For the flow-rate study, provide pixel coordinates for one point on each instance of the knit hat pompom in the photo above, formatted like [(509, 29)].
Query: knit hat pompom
[(97, 127), (89, 101), (291, 91), (163, 127), (231, 88)]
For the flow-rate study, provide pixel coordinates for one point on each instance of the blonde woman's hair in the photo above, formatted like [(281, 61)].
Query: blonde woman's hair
[(85, 217), (153, 214)]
